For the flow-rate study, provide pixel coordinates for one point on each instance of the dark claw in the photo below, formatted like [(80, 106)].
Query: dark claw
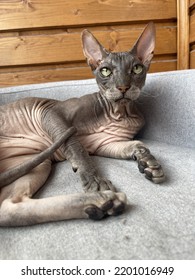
[(74, 169)]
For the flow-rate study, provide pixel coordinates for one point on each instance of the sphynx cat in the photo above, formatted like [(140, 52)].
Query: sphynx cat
[(35, 132)]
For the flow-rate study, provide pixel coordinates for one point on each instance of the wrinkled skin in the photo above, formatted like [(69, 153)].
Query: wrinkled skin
[(102, 123)]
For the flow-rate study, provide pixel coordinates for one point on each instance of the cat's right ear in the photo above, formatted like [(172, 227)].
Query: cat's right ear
[(92, 49), (144, 47)]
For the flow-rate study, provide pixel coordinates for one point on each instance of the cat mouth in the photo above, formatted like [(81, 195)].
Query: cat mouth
[(122, 98), (116, 96), (129, 95)]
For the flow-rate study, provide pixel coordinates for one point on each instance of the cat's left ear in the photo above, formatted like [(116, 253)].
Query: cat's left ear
[(92, 49), (144, 47)]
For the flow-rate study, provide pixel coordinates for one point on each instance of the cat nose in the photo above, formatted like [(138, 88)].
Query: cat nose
[(123, 89)]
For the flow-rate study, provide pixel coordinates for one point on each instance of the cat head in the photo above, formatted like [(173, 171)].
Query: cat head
[(120, 75)]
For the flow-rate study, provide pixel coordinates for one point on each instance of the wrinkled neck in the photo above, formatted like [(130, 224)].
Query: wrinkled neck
[(119, 109)]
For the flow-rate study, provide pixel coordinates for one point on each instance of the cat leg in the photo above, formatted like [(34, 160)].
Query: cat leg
[(136, 150), (73, 151), (17, 208), (82, 163), (27, 185), (29, 211)]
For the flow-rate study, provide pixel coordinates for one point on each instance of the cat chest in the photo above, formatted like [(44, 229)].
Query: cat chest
[(114, 131)]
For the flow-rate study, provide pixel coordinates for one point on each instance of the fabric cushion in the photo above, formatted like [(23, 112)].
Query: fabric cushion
[(159, 221)]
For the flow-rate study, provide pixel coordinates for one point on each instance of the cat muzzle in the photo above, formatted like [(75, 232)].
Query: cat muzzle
[(123, 89)]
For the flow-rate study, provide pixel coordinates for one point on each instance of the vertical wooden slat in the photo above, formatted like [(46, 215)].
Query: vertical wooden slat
[(183, 49), (192, 3)]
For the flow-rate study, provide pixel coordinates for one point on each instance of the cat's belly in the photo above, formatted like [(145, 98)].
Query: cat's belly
[(21, 135), (94, 141)]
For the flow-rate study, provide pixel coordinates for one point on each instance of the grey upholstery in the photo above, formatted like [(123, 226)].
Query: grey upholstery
[(160, 220)]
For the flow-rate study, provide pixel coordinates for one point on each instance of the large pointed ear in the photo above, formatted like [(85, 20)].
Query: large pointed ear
[(144, 47), (92, 49)]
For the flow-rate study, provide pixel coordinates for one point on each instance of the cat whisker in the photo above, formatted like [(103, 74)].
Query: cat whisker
[(148, 94)]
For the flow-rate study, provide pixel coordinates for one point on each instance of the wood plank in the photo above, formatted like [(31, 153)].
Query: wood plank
[(65, 47), (63, 74), (120, 27), (163, 65), (44, 76), (17, 14), (192, 3), (183, 34), (192, 59), (192, 28), (79, 29)]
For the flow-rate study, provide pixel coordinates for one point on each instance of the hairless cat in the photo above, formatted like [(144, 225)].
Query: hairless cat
[(35, 132)]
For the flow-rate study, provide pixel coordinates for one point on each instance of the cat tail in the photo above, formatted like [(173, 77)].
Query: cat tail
[(22, 169)]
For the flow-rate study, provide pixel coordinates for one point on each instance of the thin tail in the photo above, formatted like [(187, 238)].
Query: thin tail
[(14, 173)]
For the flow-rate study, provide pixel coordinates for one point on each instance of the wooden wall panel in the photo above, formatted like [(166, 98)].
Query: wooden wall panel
[(61, 73), (192, 28), (192, 2), (192, 34), (40, 39), (17, 14), (192, 59), (183, 34), (66, 47)]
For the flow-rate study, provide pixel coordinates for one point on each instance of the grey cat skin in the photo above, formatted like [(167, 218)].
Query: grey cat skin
[(35, 132)]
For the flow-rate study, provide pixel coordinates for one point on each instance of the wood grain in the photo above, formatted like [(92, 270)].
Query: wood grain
[(17, 14), (183, 34), (192, 28), (65, 47), (192, 34), (40, 40), (53, 73), (192, 2), (192, 59)]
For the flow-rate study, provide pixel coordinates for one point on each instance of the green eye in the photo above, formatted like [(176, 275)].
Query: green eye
[(105, 71), (137, 69)]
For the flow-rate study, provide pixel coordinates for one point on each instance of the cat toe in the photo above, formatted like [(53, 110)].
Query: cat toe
[(98, 184), (149, 166), (107, 204), (156, 175)]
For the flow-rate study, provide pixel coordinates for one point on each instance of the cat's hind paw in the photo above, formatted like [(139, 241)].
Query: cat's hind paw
[(106, 203)]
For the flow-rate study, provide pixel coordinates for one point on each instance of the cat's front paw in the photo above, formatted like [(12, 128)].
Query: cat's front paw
[(94, 183), (148, 165)]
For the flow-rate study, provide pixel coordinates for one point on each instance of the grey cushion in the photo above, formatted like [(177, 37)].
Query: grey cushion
[(160, 220)]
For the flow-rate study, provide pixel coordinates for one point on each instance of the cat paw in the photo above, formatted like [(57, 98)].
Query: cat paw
[(106, 203), (96, 183), (148, 165), (93, 183)]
